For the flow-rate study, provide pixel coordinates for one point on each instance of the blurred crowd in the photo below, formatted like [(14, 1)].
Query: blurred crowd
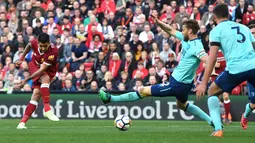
[(104, 44)]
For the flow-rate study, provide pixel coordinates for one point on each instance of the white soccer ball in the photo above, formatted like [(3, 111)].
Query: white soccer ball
[(122, 122)]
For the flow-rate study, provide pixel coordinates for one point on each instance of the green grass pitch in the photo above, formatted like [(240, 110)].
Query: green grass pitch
[(102, 131)]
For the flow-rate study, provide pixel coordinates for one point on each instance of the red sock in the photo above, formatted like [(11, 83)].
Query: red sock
[(227, 108), (45, 91), (29, 111)]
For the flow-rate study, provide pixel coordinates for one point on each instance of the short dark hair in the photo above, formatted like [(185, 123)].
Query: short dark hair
[(44, 38), (221, 11), (251, 26), (192, 24)]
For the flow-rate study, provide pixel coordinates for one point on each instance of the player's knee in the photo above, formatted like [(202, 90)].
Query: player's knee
[(252, 105), (181, 105), (144, 91), (225, 96), (36, 97), (45, 79)]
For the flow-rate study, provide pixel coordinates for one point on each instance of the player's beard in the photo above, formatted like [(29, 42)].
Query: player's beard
[(186, 38)]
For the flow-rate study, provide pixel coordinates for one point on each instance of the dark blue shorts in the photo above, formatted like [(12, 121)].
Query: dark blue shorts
[(174, 88), (227, 81), (251, 92)]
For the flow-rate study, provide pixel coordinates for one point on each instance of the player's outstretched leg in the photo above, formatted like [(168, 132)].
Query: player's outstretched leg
[(127, 97), (45, 92), (196, 111), (226, 102), (214, 109), (31, 107), (249, 107), (28, 112)]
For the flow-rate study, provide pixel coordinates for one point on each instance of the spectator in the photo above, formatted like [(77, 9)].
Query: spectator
[(148, 43), (51, 25), (68, 86), (75, 26), (240, 10), (88, 79), (133, 31), (38, 15), (38, 28), (16, 86), (26, 88), (100, 74), (195, 15), (145, 60), (165, 78), (81, 33), (164, 39), (108, 86), (166, 51), (12, 70), (180, 15), (141, 69), (126, 49), (7, 53), (169, 14), (95, 45), (67, 51), (203, 8), (93, 22), (121, 87), (107, 30), (152, 72), (207, 17), (91, 34), (65, 35), (138, 84), (79, 54), (18, 53), (120, 44), (143, 35), (152, 80), (108, 6), (171, 63), (8, 34), (154, 53), (99, 62), (93, 86), (54, 35), (124, 79), (9, 83), (77, 80), (129, 64), (249, 15), (114, 64), (13, 23), (107, 77), (231, 8), (126, 20), (160, 69), (138, 51)]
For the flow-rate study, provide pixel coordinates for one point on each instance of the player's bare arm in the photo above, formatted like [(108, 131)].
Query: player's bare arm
[(208, 71), (167, 28)]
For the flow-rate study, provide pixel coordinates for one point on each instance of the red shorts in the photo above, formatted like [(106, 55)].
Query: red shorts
[(36, 81)]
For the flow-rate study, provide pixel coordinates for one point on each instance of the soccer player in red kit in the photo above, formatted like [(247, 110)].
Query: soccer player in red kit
[(220, 67), (42, 68)]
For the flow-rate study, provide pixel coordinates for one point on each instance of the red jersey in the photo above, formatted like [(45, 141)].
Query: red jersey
[(222, 61), (49, 58)]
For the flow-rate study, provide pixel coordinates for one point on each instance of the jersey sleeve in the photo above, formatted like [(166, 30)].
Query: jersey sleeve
[(34, 44), (179, 35), (199, 51), (214, 38), (51, 58)]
